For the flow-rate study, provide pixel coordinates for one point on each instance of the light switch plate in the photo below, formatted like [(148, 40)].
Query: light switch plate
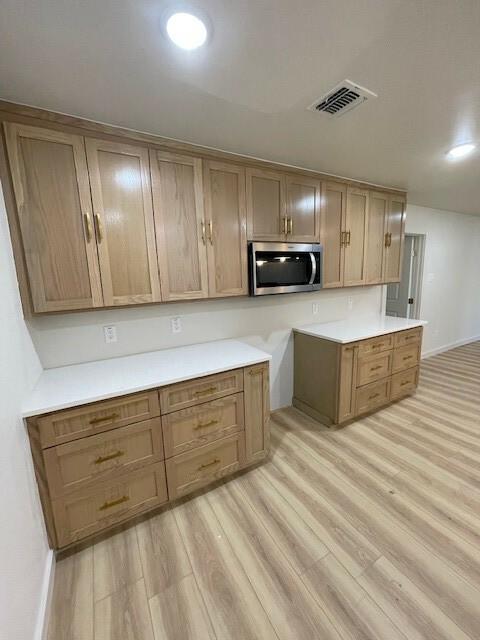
[(315, 308), (110, 333), (176, 324)]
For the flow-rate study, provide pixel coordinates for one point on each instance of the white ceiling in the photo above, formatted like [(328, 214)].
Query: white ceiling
[(248, 89)]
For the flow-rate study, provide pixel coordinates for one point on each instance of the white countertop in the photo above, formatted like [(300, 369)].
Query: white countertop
[(351, 330), (79, 384)]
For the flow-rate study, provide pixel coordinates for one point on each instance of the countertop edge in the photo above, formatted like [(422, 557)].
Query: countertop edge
[(32, 413), (365, 336)]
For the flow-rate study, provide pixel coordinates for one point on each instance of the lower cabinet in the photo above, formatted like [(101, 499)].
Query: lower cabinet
[(335, 382), (104, 463)]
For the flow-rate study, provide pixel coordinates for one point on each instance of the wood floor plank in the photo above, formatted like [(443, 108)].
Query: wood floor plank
[(293, 612), (72, 602), (179, 613), (232, 604), (124, 615), (355, 615), (163, 556), (116, 562)]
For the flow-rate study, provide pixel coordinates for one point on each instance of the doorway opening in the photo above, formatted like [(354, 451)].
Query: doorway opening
[(404, 297)]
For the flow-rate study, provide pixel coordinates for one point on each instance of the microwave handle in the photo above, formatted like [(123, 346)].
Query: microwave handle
[(314, 268)]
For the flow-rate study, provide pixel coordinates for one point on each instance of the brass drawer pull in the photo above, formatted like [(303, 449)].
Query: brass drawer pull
[(407, 357), (111, 416), (379, 366), (209, 464), (201, 425), (372, 397), (410, 337), (205, 392), (290, 225), (113, 503), (378, 345), (210, 231), (402, 384), (203, 232), (285, 225), (88, 226), (111, 456), (99, 227)]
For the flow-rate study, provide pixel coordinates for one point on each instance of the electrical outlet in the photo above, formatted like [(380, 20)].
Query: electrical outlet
[(110, 333), (315, 308), (176, 324), (430, 277), (350, 303)]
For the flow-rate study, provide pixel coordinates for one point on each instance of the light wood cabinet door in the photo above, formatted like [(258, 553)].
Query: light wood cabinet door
[(376, 238), (395, 234), (332, 233), (50, 181), (266, 205), (257, 412), (303, 209), (348, 383), (122, 202), (356, 230), (179, 225), (225, 214)]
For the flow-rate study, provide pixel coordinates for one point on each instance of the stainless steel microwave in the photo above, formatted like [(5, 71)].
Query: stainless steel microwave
[(284, 267)]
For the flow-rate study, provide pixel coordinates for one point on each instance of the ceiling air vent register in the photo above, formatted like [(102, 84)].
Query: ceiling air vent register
[(344, 97)]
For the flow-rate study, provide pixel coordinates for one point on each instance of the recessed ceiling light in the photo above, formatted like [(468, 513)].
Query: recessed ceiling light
[(461, 151), (186, 30)]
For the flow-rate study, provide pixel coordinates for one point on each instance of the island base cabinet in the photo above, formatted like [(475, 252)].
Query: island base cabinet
[(335, 382), (101, 464)]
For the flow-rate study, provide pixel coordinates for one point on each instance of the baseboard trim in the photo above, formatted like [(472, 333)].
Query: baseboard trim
[(43, 616), (447, 347)]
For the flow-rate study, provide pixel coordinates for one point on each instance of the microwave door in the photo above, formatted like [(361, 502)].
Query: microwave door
[(283, 271)]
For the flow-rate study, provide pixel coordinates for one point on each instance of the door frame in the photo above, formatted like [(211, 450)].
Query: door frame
[(416, 276)]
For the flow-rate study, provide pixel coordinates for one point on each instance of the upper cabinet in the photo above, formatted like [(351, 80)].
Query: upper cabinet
[(52, 192), (394, 237), (266, 202), (225, 212), (123, 218), (180, 225), (377, 219), (355, 236), (334, 204), (282, 207)]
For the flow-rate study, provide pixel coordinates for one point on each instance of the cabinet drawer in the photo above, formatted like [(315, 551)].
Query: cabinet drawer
[(406, 357), (375, 345), (194, 469), (71, 424), (76, 464), (82, 513), (186, 394), (371, 368), (409, 337), (404, 382), (372, 396), (193, 427)]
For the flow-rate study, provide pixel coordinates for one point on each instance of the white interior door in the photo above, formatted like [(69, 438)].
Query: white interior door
[(399, 293)]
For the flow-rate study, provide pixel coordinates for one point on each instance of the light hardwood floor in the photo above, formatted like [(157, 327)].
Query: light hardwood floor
[(370, 532)]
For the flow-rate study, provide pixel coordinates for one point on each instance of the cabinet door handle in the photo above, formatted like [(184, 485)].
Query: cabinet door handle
[(285, 225), (205, 392), (210, 231), (348, 238), (407, 357), (372, 397), (379, 366), (99, 228), (386, 239), (290, 225), (209, 464), (88, 226), (111, 416), (204, 240), (342, 238), (201, 425), (113, 503), (111, 456)]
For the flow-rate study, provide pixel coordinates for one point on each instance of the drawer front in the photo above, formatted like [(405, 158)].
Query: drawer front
[(373, 396), (71, 424), (404, 382), (371, 368), (194, 469), (406, 357), (375, 345), (82, 462), (82, 513), (186, 394), (409, 337), (196, 426)]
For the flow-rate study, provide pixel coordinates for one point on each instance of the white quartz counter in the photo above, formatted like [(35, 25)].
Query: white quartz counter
[(79, 384), (351, 330)]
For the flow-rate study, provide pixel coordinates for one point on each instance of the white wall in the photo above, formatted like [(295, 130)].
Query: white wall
[(451, 278), (24, 555), (264, 322)]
